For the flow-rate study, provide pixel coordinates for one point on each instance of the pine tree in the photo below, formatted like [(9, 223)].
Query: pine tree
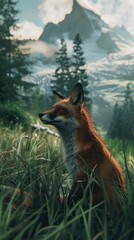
[(116, 125), (79, 71), (128, 112), (62, 72), (71, 71), (122, 125), (13, 61)]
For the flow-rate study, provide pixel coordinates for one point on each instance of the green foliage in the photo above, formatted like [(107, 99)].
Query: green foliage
[(13, 60), (122, 125), (70, 71), (38, 101), (62, 72), (79, 72), (77, 63), (33, 162), (11, 114)]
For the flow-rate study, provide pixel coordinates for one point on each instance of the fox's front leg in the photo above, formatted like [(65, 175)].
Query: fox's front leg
[(77, 191), (89, 192)]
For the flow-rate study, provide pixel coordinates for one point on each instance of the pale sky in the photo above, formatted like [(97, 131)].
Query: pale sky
[(35, 14)]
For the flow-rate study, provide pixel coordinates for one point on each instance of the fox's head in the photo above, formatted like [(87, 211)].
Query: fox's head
[(65, 113)]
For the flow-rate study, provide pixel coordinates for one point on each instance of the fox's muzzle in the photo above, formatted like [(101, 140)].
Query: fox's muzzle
[(40, 115), (44, 118)]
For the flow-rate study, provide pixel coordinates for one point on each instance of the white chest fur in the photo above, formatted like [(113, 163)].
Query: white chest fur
[(67, 130), (69, 143)]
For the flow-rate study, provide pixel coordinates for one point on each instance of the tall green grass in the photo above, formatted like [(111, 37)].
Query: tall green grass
[(33, 162)]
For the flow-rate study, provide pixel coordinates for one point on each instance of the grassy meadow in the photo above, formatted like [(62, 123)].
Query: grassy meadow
[(32, 162)]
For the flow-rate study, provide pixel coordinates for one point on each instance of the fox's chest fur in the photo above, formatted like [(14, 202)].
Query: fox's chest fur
[(68, 136)]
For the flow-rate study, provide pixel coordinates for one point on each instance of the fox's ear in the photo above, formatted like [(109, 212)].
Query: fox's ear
[(57, 96), (77, 95)]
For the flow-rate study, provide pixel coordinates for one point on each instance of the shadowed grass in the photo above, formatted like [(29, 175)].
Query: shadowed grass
[(33, 162)]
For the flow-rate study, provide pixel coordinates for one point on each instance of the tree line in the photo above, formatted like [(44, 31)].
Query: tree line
[(122, 124)]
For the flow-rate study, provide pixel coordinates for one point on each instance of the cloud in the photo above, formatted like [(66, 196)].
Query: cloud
[(27, 30), (54, 10), (115, 12), (41, 47)]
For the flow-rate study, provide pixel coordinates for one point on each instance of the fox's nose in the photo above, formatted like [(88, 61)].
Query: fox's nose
[(40, 115)]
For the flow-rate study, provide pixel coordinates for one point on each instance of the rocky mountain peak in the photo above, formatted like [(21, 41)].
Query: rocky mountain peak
[(91, 28), (75, 22)]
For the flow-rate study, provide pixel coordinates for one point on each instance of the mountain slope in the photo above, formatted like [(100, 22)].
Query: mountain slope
[(75, 22), (87, 24)]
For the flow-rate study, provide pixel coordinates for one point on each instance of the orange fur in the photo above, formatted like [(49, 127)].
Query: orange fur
[(93, 155), (90, 159)]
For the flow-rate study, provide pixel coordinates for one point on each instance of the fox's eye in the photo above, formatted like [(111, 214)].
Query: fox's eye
[(62, 110)]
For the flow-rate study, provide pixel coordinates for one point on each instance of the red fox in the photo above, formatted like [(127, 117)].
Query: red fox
[(87, 157)]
